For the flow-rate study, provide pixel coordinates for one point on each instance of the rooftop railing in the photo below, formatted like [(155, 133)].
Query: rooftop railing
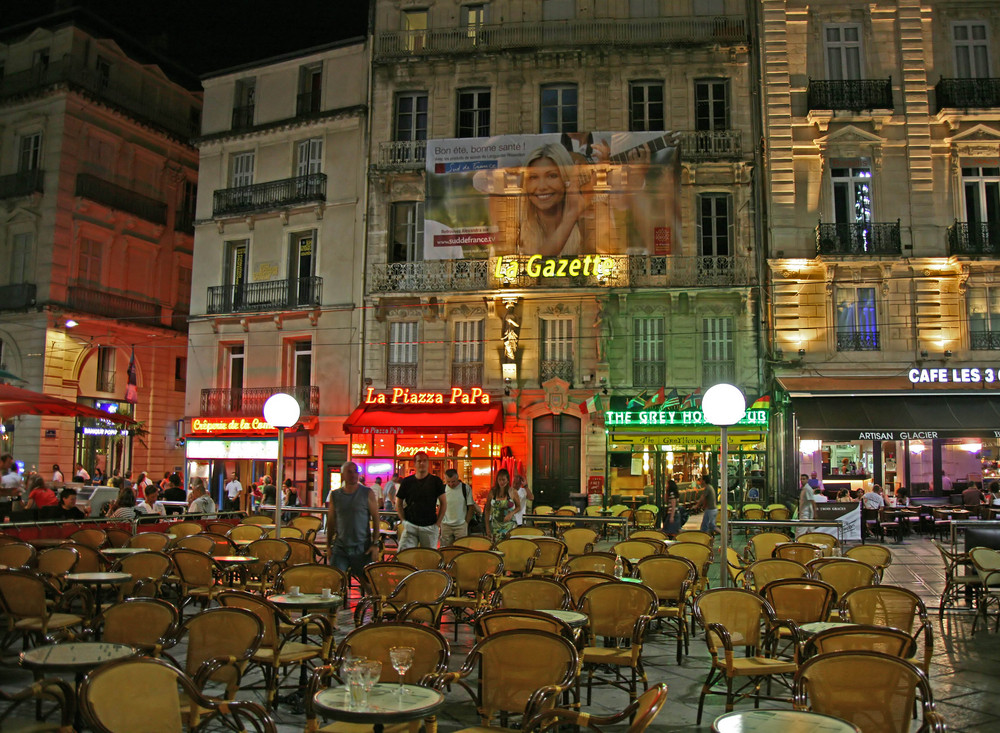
[(270, 195), (524, 36)]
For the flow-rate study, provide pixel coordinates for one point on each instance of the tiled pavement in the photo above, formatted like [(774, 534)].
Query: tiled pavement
[(963, 675)]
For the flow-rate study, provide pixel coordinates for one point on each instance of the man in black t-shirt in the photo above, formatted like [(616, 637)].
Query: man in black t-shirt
[(174, 492), (420, 504)]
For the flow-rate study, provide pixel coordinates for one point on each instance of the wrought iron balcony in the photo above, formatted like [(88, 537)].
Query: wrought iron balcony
[(307, 103), (117, 197), (984, 341), (401, 375), (556, 368), (269, 295), (111, 305), (24, 183), (968, 93), (404, 155), (649, 373), (467, 374), (249, 401), (243, 117), (855, 95), (857, 341), (639, 271), (17, 296), (711, 144), (975, 238), (527, 36), (258, 197), (858, 239)]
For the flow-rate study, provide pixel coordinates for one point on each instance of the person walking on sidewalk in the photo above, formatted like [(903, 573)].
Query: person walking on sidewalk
[(421, 505)]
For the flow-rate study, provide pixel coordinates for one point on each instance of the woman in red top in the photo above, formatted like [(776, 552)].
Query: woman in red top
[(40, 495)]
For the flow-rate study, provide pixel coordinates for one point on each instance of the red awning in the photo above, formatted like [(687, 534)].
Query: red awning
[(16, 401), (378, 420)]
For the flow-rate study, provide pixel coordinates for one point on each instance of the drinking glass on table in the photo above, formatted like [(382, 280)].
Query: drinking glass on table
[(402, 660), (355, 683), (371, 671)]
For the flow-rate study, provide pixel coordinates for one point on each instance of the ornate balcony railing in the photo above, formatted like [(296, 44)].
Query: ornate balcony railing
[(968, 93), (250, 400), (642, 271), (116, 197), (984, 341), (269, 295), (857, 341), (718, 372), (649, 373), (553, 368), (467, 375), (523, 36), (401, 375), (158, 104), (975, 238), (306, 103), (243, 117), (24, 183), (711, 144), (111, 305), (858, 239), (17, 296), (271, 195), (409, 154), (855, 95)]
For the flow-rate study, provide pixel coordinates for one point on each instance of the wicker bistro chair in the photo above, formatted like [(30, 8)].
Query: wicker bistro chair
[(55, 562), (762, 572), (800, 600), (116, 697), (740, 629), (430, 658), (15, 719), (184, 529), (642, 712), (987, 565), (18, 555), (474, 542), (272, 557), (645, 518), (797, 551), (515, 619), (700, 556), (649, 534), (694, 535), (91, 560), (146, 624), (580, 581), (91, 537), (263, 519), (831, 543), (422, 558), (532, 594), (527, 531), (300, 552), (219, 527), (515, 667), (594, 562), (199, 542), (476, 574), (957, 581), (150, 541), (736, 567), (878, 556), (761, 545), (519, 555), (149, 571), (118, 537), (860, 638), (449, 552), (278, 650), (28, 613), (844, 574), (551, 554), (197, 575), (285, 532), (309, 525), (381, 579), (875, 692), (619, 612), (579, 540), (883, 605), (245, 532), (671, 579), (418, 597), (631, 551), (778, 512)]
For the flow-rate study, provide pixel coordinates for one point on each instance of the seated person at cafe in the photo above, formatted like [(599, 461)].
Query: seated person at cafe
[(65, 509), (972, 496), (150, 505), (174, 493), (874, 499), (201, 502)]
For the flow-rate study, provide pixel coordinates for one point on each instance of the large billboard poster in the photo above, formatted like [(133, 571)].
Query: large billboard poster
[(553, 195)]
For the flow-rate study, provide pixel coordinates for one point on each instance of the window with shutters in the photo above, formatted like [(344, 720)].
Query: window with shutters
[(309, 157), (972, 49), (241, 169), (20, 258), (401, 367), (467, 359), (649, 367), (843, 51), (89, 261), (557, 349), (718, 362), (106, 356), (646, 106), (29, 152), (856, 313)]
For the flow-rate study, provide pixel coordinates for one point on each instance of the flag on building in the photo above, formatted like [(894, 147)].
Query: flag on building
[(762, 403), (672, 400), (691, 401), (657, 399), (637, 402), (132, 389), (592, 404)]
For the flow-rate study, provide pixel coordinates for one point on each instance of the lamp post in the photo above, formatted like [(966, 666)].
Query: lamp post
[(724, 405), (282, 411)]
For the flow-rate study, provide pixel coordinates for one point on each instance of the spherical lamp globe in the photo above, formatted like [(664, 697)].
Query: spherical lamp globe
[(724, 404), (281, 410)]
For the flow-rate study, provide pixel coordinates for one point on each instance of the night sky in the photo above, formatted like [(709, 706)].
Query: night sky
[(208, 35)]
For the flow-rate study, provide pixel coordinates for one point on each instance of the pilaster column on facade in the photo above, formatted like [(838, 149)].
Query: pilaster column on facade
[(777, 105)]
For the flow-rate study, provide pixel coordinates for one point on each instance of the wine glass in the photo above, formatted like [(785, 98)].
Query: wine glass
[(402, 660), (371, 671)]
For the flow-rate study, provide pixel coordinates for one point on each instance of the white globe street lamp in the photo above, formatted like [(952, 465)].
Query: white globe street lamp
[(724, 405), (282, 411)]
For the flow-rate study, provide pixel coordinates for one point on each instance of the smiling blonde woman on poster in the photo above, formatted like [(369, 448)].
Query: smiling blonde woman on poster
[(552, 203)]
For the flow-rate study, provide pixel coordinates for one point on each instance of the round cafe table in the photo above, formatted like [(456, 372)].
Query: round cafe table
[(780, 721), (98, 580), (232, 565), (574, 619), (815, 627), (385, 705), (122, 551)]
